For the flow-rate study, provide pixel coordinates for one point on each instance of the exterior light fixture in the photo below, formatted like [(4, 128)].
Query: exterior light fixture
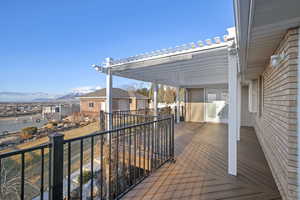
[(276, 59)]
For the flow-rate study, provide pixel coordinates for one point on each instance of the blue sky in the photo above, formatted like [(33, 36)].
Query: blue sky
[(48, 46)]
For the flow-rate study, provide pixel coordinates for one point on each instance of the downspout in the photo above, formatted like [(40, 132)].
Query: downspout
[(298, 117)]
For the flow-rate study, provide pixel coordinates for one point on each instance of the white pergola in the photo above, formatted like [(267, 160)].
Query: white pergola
[(195, 65)]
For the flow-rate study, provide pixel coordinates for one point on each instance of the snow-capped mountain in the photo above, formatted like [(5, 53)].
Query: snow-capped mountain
[(85, 89), (77, 92), (42, 96)]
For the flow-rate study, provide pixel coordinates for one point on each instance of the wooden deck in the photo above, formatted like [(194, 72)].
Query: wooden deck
[(200, 171)]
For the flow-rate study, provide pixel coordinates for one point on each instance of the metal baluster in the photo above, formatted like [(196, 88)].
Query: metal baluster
[(22, 175), (159, 143), (109, 165), (50, 170), (129, 151), (117, 164), (153, 146), (0, 174), (149, 142), (42, 174), (139, 146), (69, 170), (172, 142), (166, 139), (81, 163), (144, 148), (92, 166), (101, 162), (123, 171), (162, 141), (134, 150)]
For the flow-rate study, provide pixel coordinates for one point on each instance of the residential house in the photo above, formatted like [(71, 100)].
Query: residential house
[(92, 103)]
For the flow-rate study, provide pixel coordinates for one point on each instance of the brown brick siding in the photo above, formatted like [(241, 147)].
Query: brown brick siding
[(94, 111), (84, 105), (276, 127)]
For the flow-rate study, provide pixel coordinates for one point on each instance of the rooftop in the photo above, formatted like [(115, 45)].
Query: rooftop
[(116, 93)]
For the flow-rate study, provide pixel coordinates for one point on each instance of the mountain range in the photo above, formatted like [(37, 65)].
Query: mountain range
[(43, 96)]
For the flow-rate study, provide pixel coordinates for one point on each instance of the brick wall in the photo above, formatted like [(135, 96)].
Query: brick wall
[(84, 105), (117, 104), (276, 120)]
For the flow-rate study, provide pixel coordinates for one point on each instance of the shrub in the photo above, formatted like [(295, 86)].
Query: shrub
[(28, 132), (86, 176)]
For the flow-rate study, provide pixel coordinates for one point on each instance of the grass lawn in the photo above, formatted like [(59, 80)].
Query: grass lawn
[(68, 134)]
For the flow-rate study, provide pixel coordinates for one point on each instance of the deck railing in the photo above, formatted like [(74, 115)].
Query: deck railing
[(102, 165)]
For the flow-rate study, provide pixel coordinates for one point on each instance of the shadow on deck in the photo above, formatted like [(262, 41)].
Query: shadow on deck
[(200, 171)]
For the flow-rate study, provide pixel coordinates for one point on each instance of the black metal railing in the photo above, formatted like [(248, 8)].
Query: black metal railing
[(22, 173), (124, 118), (102, 165)]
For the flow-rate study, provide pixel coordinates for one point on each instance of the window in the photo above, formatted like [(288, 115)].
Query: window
[(253, 96), (56, 109), (91, 105), (130, 100)]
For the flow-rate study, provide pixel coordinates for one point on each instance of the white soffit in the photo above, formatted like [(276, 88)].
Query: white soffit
[(188, 65), (260, 26)]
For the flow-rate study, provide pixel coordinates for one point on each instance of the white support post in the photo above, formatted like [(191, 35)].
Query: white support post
[(239, 107), (109, 119), (177, 106), (155, 98), (232, 125), (109, 93)]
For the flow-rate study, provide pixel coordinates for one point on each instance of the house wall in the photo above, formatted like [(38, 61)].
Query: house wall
[(92, 111), (137, 104), (195, 105), (117, 104), (275, 121)]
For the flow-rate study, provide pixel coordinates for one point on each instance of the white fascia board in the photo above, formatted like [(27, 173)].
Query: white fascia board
[(243, 14)]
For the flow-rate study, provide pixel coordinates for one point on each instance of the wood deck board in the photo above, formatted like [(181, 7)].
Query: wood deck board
[(200, 171)]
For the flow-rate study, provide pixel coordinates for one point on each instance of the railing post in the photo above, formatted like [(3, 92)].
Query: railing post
[(56, 166), (172, 140), (102, 121)]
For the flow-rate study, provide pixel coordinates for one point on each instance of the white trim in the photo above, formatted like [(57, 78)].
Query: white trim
[(298, 115), (239, 107)]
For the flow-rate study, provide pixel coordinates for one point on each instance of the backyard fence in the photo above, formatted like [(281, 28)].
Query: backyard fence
[(101, 165)]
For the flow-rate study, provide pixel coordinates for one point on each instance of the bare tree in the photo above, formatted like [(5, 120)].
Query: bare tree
[(9, 186)]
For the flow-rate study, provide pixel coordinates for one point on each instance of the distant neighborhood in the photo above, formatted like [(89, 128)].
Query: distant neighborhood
[(25, 122)]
